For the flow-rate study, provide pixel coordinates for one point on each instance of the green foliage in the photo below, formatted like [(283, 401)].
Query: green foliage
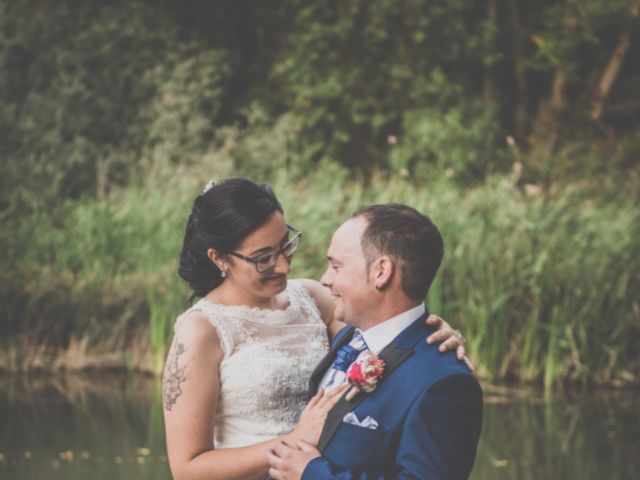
[(100, 272), (263, 148), (115, 113), (71, 86), (95, 93), (542, 282), (585, 151), (182, 116), (90, 89), (542, 275), (571, 35), (355, 69), (460, 143)]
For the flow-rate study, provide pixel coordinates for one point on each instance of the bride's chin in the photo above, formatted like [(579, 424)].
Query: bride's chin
[(277, 284)]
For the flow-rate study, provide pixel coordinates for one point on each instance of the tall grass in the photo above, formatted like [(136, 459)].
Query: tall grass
[(543, 284)]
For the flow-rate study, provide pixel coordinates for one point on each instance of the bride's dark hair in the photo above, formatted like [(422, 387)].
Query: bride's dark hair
[(221, 218)]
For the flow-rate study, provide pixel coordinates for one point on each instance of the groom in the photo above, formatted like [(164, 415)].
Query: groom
[(423, 419)]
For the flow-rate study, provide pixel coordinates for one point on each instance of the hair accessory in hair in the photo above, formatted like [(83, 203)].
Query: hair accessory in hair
[(210, 185)]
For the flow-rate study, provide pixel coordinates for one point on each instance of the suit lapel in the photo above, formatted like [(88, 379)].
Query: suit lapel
[(344, 337), (392, 355)]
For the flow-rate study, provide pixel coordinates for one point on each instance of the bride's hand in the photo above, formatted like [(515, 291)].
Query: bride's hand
[(450, 338), (313, 416)]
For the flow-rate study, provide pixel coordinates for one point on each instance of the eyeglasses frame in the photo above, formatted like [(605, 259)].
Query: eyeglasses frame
[(297, 235)]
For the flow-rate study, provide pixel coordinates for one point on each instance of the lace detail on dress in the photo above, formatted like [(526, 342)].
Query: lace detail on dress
[(268, 358)]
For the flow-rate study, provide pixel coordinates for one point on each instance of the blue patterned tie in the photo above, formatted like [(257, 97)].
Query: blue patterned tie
[(348, 353)]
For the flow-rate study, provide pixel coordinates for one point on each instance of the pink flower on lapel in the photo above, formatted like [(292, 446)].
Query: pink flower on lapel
[(364, 374)]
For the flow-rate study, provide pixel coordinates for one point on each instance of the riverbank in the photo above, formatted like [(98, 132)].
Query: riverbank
[(542, 281)]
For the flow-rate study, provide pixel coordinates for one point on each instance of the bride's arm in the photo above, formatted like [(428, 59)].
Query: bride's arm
[(190, 391), (325, 303), (190, 388)]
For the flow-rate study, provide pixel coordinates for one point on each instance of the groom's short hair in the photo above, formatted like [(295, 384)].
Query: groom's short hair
[(410, 238)]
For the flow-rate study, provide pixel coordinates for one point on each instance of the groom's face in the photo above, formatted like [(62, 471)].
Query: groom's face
[(347, 273)]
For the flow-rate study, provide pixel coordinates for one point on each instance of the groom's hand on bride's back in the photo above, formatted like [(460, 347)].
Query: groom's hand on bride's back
[(449, 337)]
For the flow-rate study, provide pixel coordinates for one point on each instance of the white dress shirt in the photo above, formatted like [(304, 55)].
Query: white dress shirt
[(376, 338)]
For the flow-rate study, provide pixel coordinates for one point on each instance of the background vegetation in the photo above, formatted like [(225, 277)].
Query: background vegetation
[(515, 125)]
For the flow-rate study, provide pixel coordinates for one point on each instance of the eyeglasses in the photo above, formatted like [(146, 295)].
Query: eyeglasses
[(268, 260)]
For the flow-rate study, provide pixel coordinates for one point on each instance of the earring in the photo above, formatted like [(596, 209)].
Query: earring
[(223, 273)]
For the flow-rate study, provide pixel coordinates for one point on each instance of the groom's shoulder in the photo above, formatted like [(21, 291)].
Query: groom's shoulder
[(432, 366), (442, 364), (440, 375)]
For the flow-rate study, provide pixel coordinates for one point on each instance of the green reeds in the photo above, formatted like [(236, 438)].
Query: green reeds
[(543, 283)]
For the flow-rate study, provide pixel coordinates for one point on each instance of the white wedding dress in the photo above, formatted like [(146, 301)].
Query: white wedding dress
[(268, 358)]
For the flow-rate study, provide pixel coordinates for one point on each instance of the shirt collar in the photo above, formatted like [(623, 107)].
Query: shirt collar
[(381, 335)]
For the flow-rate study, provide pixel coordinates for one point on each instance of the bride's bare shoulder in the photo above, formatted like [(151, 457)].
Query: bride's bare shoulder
[(195, 330)]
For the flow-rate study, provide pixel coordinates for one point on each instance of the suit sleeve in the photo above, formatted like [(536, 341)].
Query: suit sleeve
[(438, 440)]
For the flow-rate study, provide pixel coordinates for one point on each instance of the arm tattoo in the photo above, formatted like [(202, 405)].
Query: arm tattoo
[(174, 376)]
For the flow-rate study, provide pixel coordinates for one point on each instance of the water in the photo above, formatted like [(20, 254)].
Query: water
[(73, 428), (110, 427), (588, 435)]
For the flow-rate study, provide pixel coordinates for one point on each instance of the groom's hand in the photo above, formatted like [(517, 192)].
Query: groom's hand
[(288, 463)]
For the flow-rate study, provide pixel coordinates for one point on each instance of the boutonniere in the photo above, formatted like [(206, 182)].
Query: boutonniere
[(364, 374)]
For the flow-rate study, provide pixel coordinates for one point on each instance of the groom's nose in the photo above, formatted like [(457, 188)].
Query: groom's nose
[(325, 280)]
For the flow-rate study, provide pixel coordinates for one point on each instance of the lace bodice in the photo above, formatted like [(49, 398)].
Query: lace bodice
[(268, 358)]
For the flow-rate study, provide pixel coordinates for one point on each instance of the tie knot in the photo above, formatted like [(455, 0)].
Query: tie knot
[(348, 354), (357, 340)]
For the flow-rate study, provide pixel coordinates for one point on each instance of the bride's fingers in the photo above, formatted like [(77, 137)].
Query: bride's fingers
[(440, 335), (450, 343), (332, 397), (316, 398), (434, 320), (469, 364), (337, 392), (337, 395), (438, 322)]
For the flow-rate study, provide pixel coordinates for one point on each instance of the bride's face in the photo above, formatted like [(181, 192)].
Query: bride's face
[(242, 274)]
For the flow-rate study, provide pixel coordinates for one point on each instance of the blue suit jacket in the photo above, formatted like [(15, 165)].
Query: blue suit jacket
[(428, 407)]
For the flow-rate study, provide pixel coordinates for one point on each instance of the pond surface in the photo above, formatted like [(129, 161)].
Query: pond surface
[(110, 427)]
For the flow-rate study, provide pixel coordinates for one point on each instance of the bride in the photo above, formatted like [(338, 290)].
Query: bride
[(237, 371)]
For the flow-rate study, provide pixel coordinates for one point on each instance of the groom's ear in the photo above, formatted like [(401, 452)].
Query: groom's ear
[(383, 270)]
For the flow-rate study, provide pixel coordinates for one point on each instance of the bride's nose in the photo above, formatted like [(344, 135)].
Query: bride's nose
[(282, 265)]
